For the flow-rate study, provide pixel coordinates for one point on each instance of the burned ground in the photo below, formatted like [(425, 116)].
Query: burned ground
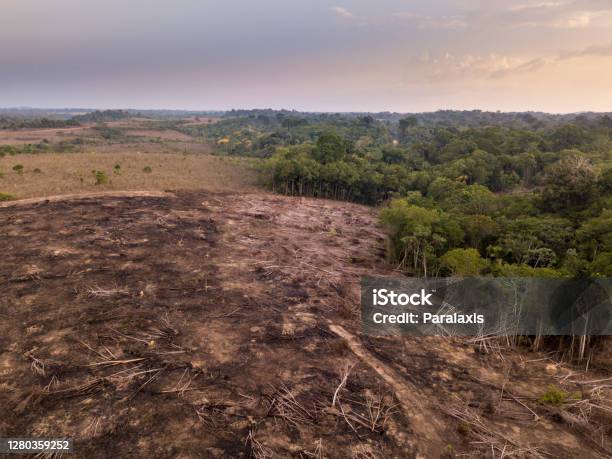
[(198, 324)]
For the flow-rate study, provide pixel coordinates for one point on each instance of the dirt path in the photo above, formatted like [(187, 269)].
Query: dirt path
[(218, 325)]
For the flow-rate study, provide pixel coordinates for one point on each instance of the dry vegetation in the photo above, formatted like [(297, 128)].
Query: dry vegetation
[(133, 156), (67, 173), (24, 137)]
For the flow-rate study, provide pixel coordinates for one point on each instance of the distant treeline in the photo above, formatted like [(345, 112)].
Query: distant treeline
[(36, 123), (260, 132), (43, 146), (465, 118), (102, 116), (54, 123)]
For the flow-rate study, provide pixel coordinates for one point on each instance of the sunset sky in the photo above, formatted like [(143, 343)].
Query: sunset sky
[(316, 55)]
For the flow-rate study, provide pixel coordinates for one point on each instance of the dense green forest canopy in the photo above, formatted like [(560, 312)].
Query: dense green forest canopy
[(464, 193)]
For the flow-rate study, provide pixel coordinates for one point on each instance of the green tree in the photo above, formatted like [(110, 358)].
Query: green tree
[(473, 200), (480, 230), (463, 262), (595, 235), (570, 183), (393, 155), (478, 168), (330, 147), (405, 124), (567, 137), (530, 239), (411, 232)]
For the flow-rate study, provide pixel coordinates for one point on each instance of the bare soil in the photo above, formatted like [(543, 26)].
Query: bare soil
[(201, 324)]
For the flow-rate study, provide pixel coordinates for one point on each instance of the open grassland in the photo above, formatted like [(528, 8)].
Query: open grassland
[(33, 136), (130, 154), (134, 129), (68, 173)]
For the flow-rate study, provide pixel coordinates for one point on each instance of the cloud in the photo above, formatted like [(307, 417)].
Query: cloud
[(432, 22), (449, 67), (534, 6), (536, 14), (595, 50), (554, 14), (525, 67), (574, 21), (342, 12), (495, 66)]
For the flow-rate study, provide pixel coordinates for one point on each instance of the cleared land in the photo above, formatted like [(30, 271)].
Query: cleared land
[(200, 324)]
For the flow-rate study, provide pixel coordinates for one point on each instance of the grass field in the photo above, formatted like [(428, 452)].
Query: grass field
[(67, 173), (124, 155)]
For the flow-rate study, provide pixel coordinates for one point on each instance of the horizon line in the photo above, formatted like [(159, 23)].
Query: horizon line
[(340, 112)]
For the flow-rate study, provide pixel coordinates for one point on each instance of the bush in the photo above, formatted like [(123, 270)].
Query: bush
[(510, 270), (7, 150), (602, 265), (18, 168), (557, 396), (147, 169), (6, 197), (100, 177)]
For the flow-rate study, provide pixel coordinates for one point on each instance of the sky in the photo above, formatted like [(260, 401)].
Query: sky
[(311, 55)]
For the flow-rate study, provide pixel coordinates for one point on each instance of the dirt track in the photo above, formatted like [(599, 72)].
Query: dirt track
[(222, 325)]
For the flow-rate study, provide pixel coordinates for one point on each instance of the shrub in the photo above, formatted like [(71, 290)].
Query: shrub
[(557, 396), (147, 169), (37, 171), (117, 168), (18, 168), (510, 270), (100, 177), (6, 197), (7, 150)]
